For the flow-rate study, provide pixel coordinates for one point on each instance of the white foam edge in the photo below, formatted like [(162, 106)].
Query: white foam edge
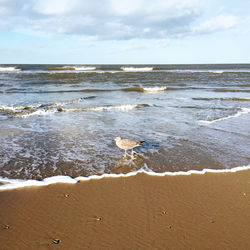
[(83, 68), (135, 69), (9, 69), (38, 112), (16, 183), (216, 71), (125, 107), (80, 68), (154, 89), (242, 111), (42, 112)]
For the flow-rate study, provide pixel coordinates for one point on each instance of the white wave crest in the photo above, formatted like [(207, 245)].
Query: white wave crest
[(79, 68), (27, 111), (154, 89), (216, 71), (38, 112), (84, 68), (137, 69), (241, 112), (8, 108), (107, 108), (41, 110), (16, 108), (119, 107), (76, 100), (15, 183), (3, 69)]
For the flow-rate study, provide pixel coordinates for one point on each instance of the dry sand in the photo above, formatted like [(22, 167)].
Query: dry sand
[(209, 211)]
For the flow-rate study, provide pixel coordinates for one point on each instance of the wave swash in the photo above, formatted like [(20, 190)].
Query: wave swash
[(242, 111), (16, 183)]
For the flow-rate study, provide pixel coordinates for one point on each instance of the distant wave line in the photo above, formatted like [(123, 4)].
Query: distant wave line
[(211, 71), (231, 90), (128, 89), (119, 68), (221, 99)]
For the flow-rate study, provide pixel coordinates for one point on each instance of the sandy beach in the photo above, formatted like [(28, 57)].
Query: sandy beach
[(209, 211)]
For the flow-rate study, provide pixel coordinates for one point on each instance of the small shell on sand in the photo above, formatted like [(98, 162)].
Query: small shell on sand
[(97, 218), (56, 241), (6, 226)]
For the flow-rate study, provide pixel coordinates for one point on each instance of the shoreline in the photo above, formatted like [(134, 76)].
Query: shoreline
[(142, 211), (19, 183)]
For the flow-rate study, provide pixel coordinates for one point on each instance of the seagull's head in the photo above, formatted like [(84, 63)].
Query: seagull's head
[(117, 139)]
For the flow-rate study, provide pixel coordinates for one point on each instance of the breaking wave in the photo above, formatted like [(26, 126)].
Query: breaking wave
[(46, 109), (14, 68), (107, 108), (78, 68), (137, 69), (239, 113), (132, 89), (84, 68), (146, 89), (216, 71), (37, 109), (154, 89)]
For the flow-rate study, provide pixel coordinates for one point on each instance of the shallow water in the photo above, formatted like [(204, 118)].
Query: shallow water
[(62, 121)]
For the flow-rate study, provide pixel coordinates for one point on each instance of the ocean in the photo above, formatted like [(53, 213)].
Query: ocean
[(61, 120)]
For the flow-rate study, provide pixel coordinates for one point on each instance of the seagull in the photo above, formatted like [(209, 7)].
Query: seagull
[(127, 144)]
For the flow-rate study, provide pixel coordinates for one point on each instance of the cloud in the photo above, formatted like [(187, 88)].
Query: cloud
[(109, 19), (221, 22), (54, 7)]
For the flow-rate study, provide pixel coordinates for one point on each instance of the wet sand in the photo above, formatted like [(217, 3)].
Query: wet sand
[(209, 211)]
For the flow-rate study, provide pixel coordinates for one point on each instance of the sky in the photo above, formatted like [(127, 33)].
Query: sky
[(124, 32)]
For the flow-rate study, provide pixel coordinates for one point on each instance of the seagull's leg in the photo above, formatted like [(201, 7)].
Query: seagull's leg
[(132, 154), (125, 153)]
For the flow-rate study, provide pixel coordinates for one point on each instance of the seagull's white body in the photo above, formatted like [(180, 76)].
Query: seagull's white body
[(127, 144)]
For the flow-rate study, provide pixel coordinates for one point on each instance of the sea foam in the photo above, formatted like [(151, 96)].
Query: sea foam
[(125, 107), (137, 69), (216, 71), (154, 89), (17, 183), (15, 68), (74, 68), (84, 68), (239, 113), (51, 108)]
